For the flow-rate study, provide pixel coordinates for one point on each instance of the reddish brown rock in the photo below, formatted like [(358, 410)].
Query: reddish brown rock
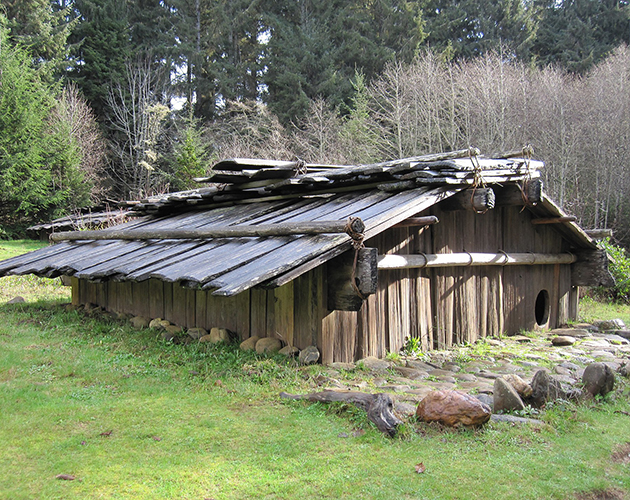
[(453, 408)]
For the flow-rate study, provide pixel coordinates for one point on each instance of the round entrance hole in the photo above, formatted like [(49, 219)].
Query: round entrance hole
[(542, 308)]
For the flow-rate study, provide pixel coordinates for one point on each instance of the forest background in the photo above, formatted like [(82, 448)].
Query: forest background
[(102, 100)]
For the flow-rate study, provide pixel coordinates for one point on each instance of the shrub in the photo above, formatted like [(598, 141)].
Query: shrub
[(619, 266)]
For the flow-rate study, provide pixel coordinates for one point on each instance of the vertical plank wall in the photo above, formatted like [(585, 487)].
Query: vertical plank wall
[(438, 306), (292, 313)]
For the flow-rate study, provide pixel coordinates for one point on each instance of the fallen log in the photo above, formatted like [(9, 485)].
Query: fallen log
[(378, 406)]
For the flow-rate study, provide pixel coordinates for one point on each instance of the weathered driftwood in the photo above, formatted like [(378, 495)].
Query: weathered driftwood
[(379, 407), (343, 295), (554, 220), (472, 259), (474, 199), (280, 229)]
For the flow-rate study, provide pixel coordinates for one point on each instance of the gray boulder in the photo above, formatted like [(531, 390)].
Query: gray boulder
[(610, 324), (309, 355), (598, 379), (506, 398)]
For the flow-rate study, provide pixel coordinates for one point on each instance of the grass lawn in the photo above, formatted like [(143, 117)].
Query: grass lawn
[(133, 417)]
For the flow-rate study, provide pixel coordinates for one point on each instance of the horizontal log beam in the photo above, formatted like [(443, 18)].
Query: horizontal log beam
[(599, 234), (526, 193), (355, 225), (418, 221), (473, 199), (472, 259), (351, 279), (554, 220), (591, 269)]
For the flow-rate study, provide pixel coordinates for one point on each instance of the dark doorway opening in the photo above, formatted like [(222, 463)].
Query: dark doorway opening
[(542, 308)]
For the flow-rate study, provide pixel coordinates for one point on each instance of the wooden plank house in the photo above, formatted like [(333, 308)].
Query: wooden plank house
[(446, 248)]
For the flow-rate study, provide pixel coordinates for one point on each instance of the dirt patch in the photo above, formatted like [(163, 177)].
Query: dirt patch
[(621, 454), (609, 494)]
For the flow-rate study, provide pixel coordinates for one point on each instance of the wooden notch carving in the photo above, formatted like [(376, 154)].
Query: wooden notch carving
[(342, 294)]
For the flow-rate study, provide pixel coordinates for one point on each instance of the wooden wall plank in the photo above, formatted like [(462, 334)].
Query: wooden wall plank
[(284, 313), (156, 298), (168, 300), (76, 285), (178, 313), (308, 305), (201, 308), (258, 313), (191, 302)]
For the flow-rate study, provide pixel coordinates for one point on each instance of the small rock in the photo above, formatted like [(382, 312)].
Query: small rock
[(374, 364), (451, 366), (570, 332), (486, 399), (569, 366), (309, 355), (520, 386), (494, 342), (249, 344), (420, 365), (598, 379), (379, 382), (156, 323), (603, 354), (196, 332), (546, 388), (404, 409), (453, 408), (219, 335), (174, 329), (268, 345), (139, 322), (505, 397), (206, 338), (623, 333), (289, 351), (168, 336), (410, 373), (17, 300), (624, 369), (342, 366), (515, 420), (521, 338), (563, 340), (610, 324), (438, 372), (466, 377)]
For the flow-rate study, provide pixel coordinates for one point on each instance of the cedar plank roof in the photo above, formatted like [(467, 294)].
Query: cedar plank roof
[(270, 192)]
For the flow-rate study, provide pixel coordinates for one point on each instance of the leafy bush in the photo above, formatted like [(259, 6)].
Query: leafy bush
[(619, 266)]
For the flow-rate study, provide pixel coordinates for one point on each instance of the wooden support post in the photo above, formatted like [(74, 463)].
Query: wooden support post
[(475, 199), (281, 229), (342, 294), (591, 269), (527, 193)]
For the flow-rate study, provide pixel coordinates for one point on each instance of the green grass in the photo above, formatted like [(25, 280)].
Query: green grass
[(31, 288), (591, 309), (198, 421)]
